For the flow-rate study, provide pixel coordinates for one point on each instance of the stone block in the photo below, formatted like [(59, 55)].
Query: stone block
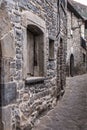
[(5, 24), (6, 118), (1, 125), (18, 64), (28, 127), (5, 69), (18, 75), (26, 97), (8, 93), (16, 19), (8, 45)]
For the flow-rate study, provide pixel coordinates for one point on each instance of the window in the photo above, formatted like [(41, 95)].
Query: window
[(35, 52), (83, 43), (51, 49), (63, 1), (84, 58)]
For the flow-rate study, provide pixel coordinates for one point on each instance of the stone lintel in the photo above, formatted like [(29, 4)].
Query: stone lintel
[(31, 18)]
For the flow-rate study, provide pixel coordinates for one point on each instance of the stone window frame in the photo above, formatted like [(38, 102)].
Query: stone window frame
[(29, 18)]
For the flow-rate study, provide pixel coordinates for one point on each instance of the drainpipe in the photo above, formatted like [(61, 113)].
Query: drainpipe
[(58, 19)]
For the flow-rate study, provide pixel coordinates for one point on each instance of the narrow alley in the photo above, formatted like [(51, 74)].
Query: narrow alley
[(71, 111), (41, 43)]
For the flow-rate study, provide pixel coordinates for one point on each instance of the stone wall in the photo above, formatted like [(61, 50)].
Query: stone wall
[(75, 32), (24, 99)]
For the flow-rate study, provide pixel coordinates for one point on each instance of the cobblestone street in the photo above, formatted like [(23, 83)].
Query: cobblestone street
[(71, 111)]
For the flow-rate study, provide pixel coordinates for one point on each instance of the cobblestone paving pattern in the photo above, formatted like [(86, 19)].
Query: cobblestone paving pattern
[(71, 111)]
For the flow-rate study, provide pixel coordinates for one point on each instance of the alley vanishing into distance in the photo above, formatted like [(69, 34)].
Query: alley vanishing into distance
[(71, 111)]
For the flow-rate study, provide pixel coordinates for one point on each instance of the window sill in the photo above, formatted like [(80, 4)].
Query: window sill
[(34, 80)]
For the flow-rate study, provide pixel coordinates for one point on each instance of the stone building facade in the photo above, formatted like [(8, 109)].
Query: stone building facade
[(32, 60), (76, 41)]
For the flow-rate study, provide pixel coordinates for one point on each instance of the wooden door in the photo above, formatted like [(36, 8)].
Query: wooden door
[(71, 65)]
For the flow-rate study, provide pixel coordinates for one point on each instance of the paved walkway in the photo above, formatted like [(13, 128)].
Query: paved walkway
[(71, 111)]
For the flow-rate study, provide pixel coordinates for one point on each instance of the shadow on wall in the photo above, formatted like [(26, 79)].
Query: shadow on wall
[(70, 69)]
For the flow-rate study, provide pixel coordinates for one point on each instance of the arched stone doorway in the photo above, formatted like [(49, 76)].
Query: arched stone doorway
[(72, 65)]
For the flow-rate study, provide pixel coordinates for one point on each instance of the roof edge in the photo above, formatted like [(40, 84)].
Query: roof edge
[(72, 9)]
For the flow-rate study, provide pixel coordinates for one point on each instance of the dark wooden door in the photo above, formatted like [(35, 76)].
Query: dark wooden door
[(72, 65)]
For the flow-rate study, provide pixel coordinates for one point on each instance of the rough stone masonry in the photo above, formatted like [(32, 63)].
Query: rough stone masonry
[(32, 60), (76, 39)]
